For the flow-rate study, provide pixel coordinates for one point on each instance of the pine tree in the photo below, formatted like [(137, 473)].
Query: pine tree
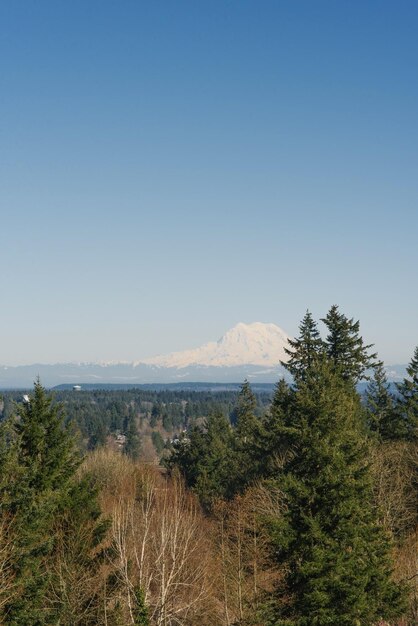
[(334, 554), (407, 405), (345, 347), (305, 350), (380, 406)]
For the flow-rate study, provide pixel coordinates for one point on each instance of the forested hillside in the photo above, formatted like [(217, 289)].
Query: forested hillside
[(180, 508), (133, 419)]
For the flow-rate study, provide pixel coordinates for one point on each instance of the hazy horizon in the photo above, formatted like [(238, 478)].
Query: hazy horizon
[(142, 358), (170, 169)]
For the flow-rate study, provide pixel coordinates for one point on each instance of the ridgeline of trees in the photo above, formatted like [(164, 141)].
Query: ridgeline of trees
[(299, 510)]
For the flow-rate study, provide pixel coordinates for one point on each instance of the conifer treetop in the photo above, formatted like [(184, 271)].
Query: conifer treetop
[(345, 347), (304, 350)]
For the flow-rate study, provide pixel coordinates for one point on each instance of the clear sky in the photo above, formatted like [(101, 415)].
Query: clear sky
[(169, 168)]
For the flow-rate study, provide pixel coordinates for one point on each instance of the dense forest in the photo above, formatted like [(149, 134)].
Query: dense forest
[(179, 508), (140, 422)]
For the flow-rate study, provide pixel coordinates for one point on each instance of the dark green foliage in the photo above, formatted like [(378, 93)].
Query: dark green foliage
[(133, 440), (141, 612), (206, 459), (155, 414), (407, 405), (218, 461), (305, 350), (46, 449), (98, 414), (345, 347), (38, 463), (246, 420), (382, 418), (249, 439), (40, 460), (279, 413), (98, 433), (167, 422), (116, 413), (334, 553), (157, 441), (78, 530)]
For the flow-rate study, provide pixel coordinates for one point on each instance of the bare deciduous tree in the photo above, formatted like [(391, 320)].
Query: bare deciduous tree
[(159, 544), (243, 547)]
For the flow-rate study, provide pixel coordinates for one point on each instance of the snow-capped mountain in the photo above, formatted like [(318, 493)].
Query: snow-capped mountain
[(252, 351), (245, 344)]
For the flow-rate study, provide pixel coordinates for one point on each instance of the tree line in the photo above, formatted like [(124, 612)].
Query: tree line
[(314, 446), (99, 414), (302, 512)]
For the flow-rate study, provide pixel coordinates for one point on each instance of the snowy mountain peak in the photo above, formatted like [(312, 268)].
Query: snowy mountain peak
[(244, 344)]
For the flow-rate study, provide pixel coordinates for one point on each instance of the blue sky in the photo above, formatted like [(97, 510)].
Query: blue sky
[(168, 169)]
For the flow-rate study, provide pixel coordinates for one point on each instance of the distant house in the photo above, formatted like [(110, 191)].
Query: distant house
[(77, 388), (120, 439)]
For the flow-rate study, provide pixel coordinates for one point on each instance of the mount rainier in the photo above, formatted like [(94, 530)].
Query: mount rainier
[(252, 351), (245, 344)]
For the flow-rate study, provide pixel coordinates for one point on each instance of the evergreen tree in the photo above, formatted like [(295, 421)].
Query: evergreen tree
[(38, 464), (345, 347), (305, 350), (141, 612), (217, 466), (157, 441), (207, 460), (167, 422), (248, 438), (78, 529), (246, 420), (133, 441), (334, 554), (407, 405), (155, 414), (380, 406), (46, 448), (279, 414)]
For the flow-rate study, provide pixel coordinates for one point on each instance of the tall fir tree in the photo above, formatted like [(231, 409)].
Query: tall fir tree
[(278, 414), (345, 347), (305, 350), (133, 440), (246, 420), (207, 460), (75, 593), (334, 554), (383, 420), (38, 466), (407, 405), (248, 438)]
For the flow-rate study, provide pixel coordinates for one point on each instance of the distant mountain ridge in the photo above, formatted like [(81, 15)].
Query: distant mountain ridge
[(253, 351)]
